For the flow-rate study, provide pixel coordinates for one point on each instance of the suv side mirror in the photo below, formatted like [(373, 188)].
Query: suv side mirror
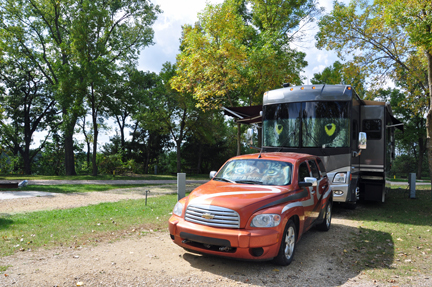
[(362, 140), (312, 180), (308, 181), (212, 174)]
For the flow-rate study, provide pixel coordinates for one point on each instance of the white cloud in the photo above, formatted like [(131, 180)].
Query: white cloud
[(167, 30)]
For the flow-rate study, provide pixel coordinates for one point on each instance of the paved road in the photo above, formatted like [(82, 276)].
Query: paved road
[(56, 182), (16, 193)]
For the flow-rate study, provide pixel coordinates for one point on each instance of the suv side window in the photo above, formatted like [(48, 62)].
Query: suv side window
[(314, 169), (303, 171), (321, 167)]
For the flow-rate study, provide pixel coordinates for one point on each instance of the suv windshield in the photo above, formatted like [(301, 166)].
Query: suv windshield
[(256, 171)]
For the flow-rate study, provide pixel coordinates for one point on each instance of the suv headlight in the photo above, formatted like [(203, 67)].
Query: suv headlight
[(340, 177), (178, 209), (266, 220)]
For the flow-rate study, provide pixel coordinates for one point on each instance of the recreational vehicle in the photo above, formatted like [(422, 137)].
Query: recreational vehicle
[(353, 137)]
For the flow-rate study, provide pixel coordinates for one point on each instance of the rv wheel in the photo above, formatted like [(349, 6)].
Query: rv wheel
[(351, 205)]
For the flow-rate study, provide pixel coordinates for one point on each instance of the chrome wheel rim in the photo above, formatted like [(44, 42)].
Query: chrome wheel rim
[(289, 242), (328, 215)]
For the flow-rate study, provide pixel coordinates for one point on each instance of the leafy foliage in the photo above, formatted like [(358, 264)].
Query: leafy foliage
[(339, 73), (234, 54)]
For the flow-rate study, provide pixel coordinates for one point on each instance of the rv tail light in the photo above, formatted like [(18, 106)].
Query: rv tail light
[(340, 177)]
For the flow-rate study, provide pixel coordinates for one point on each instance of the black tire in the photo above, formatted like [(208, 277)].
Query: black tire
[(326, 224), (288, 244)]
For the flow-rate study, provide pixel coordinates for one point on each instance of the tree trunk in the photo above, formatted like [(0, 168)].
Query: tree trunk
[(420, 159), (88, 154), (69, 150), (178, 156), (429, 115), (200, 152), (147, 161), (95, 167), (95, 132), (238, 139)]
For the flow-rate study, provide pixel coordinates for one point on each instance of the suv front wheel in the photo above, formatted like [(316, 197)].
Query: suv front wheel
[(288, 244)]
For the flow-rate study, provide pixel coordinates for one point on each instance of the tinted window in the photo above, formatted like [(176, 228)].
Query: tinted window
[(303, 171), (372, 129), (314, 169), (321, 166)]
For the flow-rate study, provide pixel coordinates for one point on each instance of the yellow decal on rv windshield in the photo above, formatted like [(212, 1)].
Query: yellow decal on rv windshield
[(330, 129), (279, 128)]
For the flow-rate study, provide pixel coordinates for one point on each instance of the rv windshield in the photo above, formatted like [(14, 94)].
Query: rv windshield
[(308, 124)]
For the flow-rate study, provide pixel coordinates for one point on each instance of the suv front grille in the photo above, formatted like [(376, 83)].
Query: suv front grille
[(213, 216)]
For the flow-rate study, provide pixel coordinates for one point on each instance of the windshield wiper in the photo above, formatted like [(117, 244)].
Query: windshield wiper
[(249, 181), (224, 179)]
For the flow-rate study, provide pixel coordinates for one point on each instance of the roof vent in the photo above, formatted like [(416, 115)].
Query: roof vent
[(286, 85)]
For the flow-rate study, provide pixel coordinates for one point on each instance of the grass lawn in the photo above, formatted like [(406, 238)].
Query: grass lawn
[(394, 242), (83, 225)]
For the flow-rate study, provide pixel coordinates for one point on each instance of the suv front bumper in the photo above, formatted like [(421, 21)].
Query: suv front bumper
[(253, 244)]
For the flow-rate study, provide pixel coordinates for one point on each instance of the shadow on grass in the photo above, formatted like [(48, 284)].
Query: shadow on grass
[(321, 258), (398, 208), (4, 221)]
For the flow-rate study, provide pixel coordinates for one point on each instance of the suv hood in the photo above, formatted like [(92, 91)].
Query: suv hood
[(243, 198)]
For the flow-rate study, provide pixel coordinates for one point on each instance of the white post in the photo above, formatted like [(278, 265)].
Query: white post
[(181, 185)]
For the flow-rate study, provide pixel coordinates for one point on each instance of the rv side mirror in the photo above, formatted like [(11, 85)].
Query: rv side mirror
[(362, 140), (249, 136)]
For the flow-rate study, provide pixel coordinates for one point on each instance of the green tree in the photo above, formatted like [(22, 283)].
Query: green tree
[(386, 50), (29, 108), (75, 44), (339, 73), (380, 52), (412, 141), (235, 54), (169, 111), (415, 16)]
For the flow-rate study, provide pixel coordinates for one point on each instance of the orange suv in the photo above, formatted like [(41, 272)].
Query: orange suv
[(255, 207)]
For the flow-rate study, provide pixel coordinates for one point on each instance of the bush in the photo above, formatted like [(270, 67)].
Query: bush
[(109, 163), (405, 164)]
